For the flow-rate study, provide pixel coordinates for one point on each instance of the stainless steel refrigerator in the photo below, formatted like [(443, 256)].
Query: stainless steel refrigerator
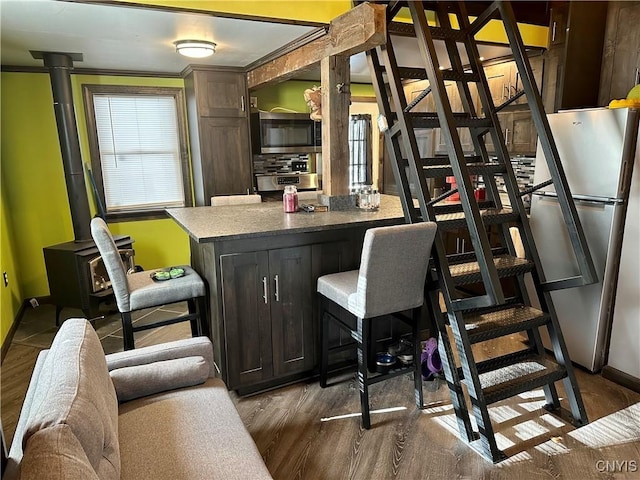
[(597, 163)]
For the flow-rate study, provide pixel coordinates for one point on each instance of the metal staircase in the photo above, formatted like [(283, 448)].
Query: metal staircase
[(473, 284)]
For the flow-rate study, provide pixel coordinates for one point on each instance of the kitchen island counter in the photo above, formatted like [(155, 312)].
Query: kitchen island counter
[(208, 224), (261, 266)]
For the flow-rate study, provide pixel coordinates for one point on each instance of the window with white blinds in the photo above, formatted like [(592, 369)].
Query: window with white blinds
[(139, 148)]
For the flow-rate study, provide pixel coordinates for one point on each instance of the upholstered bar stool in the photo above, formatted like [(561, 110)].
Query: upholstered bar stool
[(137, 290), (390, 280)]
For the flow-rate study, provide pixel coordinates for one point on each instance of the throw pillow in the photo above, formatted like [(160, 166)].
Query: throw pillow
[(142, 380)]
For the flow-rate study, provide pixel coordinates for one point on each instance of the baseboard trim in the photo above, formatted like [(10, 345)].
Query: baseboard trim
[(26, 303), (9, 338), (621, 378)]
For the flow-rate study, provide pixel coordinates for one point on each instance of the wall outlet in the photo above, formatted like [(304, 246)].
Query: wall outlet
[(5, 277), (34, 303)]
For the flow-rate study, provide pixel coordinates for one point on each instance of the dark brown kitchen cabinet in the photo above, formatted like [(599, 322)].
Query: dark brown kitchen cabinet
[(519, 132), (223, 170), (537, 68), (621, 55), (464, 133), (267, 306), (457, 241), (505, 82), (292, 332), (221, 94), (574, 58), (248, 331), (498, 79), (219, 132)]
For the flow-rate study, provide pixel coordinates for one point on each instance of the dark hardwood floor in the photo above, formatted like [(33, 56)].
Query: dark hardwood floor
[(305, 432)]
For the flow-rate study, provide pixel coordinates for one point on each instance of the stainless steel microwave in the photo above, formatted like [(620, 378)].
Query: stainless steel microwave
[(285, 133)]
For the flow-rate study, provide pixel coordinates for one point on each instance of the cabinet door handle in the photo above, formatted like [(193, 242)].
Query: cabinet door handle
[(264, 290), (637, 79), (277, 292), (242, 103), (506, 136), (553, 32)]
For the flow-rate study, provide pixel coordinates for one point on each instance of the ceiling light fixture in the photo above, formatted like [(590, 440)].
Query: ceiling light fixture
[(195, 48)]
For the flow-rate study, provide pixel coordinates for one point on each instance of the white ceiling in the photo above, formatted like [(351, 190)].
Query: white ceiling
[(128, 38), (116, 37)]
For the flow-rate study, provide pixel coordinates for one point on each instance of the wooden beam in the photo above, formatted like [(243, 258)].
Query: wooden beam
[(336, 95), (361, 28)]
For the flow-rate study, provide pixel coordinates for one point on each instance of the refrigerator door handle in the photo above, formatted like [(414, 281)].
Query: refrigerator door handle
[(584, 199)]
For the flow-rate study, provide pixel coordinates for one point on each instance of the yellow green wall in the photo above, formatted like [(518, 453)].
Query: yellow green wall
[(33, 181), (35, 208), (11, 295), (290, 95)]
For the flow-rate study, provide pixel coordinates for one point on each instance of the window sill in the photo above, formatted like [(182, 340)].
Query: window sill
[(136, 215)]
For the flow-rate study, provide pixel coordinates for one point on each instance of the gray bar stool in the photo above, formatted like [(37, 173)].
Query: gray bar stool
[(391, 279), (138, 290)]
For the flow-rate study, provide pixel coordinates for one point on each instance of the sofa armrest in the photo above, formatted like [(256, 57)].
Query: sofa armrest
[(189, 347), (12, 468)]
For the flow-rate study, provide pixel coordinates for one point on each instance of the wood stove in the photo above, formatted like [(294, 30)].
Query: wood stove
[(77, 276)]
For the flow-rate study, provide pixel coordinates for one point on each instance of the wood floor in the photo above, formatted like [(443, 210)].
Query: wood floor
[(305, 432)]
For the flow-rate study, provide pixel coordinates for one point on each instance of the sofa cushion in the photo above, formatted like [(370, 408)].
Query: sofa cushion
[(193, 432), (142, 380), (55, 453), (74, 389)]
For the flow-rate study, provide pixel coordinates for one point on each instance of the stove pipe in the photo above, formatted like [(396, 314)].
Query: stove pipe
[(59, 65)]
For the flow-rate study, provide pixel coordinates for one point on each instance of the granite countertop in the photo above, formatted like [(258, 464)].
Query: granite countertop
[(208, 224)]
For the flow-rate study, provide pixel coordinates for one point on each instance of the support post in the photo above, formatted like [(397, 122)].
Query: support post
[(336, 97)]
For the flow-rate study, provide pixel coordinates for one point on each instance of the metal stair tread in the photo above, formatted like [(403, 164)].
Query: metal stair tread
[(478, 168), (528, 373), (481, 326), (507, 265), (489, 216), (413, 73), (438, 33), (451, 207), (431, 120)]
